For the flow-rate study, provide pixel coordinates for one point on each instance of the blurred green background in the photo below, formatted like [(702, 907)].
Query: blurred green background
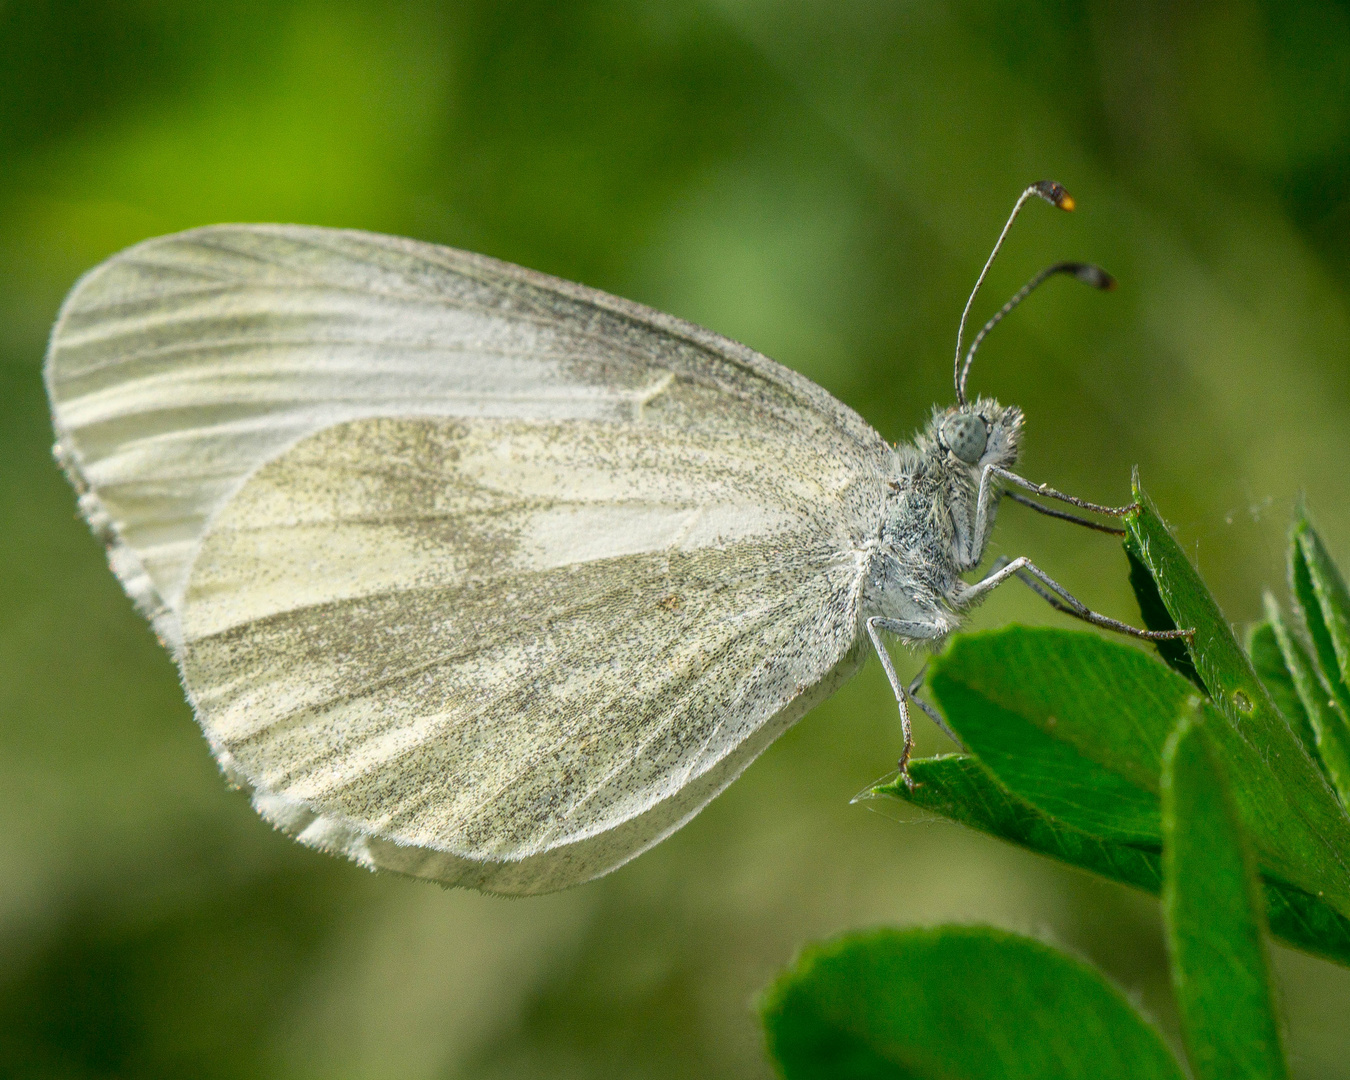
[(821, 181)]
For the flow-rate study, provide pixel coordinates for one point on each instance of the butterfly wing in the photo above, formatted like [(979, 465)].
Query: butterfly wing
[(517, 652), (595, 559), (180, 365)]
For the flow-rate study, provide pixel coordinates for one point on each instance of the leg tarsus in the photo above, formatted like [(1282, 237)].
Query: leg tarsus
[(1064, 601), (1050, 493), (913, 691), (1062, 515)]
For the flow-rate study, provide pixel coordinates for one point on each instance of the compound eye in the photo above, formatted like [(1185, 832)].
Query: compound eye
[(965, 436)]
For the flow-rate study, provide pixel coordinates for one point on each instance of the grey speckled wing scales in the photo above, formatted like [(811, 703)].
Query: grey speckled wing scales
[(182, 364), (187, 365), (514, 653)]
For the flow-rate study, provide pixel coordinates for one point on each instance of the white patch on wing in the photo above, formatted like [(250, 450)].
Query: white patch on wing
[(561, 535)]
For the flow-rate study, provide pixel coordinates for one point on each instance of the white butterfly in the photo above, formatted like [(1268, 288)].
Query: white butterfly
[(481, 576)]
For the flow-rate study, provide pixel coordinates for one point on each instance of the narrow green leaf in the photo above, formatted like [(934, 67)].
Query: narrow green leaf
[(1330, 742), (1223, 667), (1306, 923), (954, 1003), (1263, 648), (958, 787), (1291, 813), (1154, 613), (1333, 599), (1215, 921), (1320, 604)]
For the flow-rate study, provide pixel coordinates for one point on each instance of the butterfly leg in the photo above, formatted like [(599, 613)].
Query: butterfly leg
[(1050, 511), (1050, 493), (915, 631), (1059, 598), (916, 684), (971, 547), (1031, 583)]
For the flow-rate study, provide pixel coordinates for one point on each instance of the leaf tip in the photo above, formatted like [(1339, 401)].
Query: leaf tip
[(890, 786), (1189, 718), (1271, 606)]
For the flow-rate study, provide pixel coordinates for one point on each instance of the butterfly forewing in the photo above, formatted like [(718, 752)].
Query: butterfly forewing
[(181, 365), (473, 573)]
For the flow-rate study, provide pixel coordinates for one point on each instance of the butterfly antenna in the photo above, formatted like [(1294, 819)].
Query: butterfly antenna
[(1052, 193), (1084, 272)]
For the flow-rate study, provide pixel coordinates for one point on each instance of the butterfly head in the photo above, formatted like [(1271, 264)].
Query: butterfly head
[(978, 433)]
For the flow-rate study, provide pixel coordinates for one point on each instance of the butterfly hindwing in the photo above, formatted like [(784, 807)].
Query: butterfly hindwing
[(501, 639)]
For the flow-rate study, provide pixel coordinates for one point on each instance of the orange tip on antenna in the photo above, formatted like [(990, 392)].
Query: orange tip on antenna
[(1054, 194)]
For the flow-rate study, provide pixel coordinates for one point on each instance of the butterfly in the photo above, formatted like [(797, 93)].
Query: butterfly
[(481, 576)]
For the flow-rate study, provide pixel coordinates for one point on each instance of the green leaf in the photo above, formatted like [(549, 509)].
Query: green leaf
[(1263, 648), (1154, 613), (1293, 817), (1067, 720), (1075, 724), (1224, 669), (1333, 599), (959, 788), (1320, 602), (1213, 912), (956, 1003), (1329, 735)]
